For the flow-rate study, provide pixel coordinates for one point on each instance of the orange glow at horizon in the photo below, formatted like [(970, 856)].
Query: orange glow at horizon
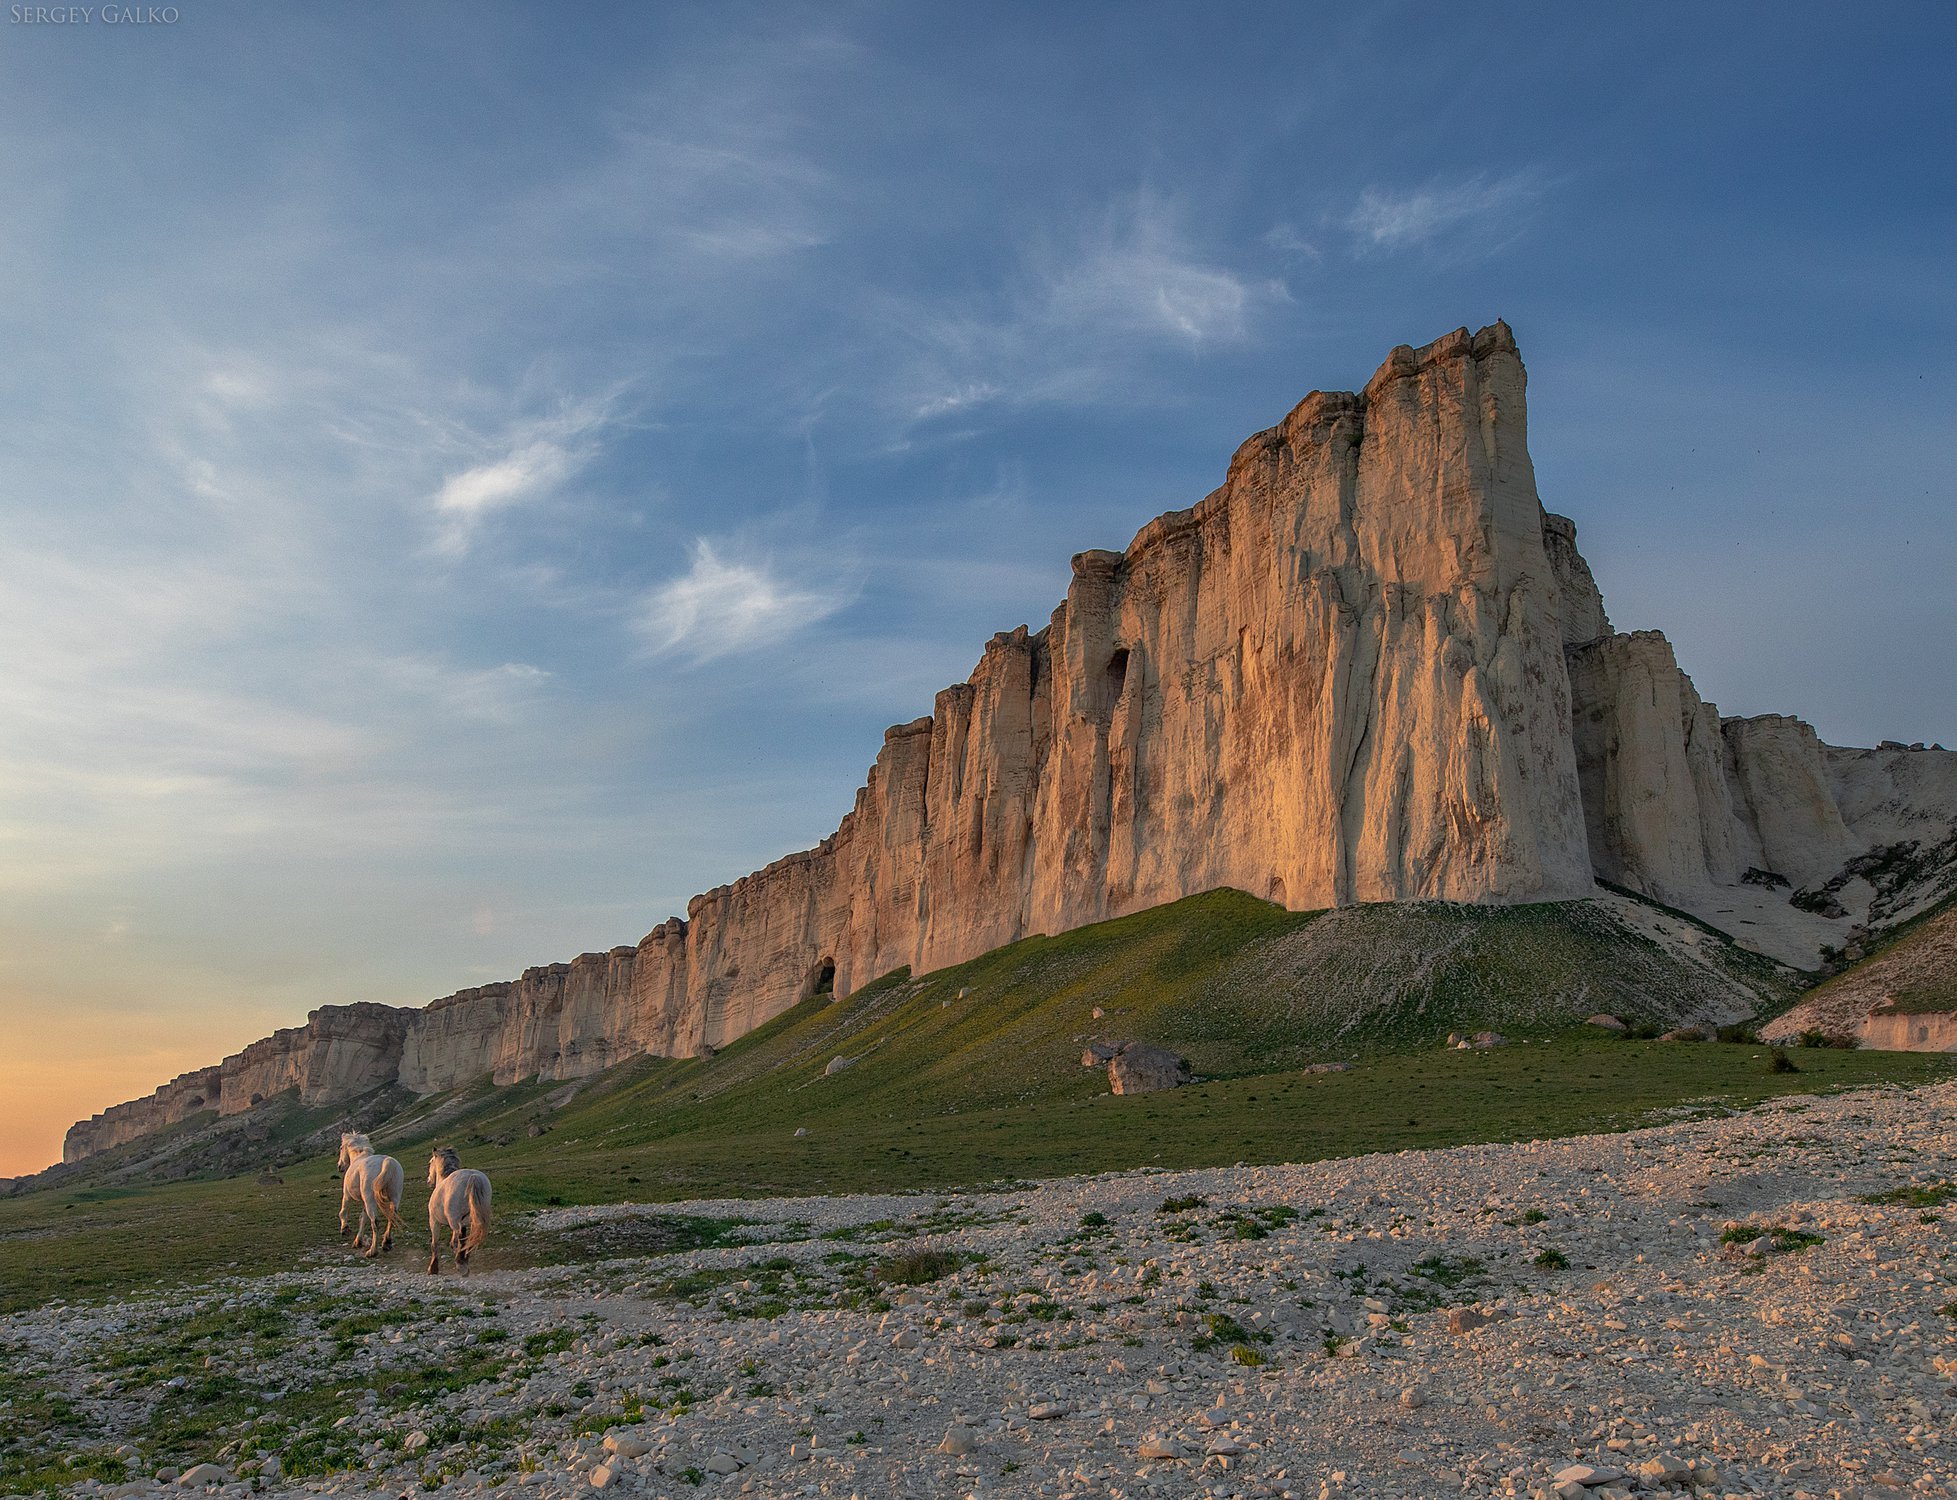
[(49, 1079)]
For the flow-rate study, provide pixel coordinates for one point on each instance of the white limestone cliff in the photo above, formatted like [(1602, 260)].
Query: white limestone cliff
[(1368, 667), (341, 1052), (1752, 824)]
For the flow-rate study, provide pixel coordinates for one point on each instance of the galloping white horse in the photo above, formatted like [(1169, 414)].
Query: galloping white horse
[(460, 1200), (375, 1183)]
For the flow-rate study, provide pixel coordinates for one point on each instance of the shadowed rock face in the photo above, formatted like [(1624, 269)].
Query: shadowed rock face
[(1138, 1069), (1369, 667)]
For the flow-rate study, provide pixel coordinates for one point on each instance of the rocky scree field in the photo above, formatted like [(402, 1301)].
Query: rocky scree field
[(1761, 1303)]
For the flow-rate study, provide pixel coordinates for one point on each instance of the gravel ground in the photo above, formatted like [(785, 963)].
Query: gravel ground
[(1711, 1307)]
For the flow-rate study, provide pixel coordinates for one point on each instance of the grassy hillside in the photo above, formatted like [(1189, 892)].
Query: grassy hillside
[(1912, 972), (1916, 968), (973, 1074)]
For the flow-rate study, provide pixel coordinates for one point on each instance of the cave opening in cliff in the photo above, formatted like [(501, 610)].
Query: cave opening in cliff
[(821, 980), (1117, 674)]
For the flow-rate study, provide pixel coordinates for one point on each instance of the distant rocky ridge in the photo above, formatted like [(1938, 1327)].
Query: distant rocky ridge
[(1369, 667)]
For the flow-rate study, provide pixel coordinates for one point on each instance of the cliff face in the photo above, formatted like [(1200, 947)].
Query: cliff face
[(1753, 824), (1339, 678), (1368, 668), (183, 1096), (342, 1051)]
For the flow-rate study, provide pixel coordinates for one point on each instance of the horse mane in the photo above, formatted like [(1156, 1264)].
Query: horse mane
[(451, 1160)]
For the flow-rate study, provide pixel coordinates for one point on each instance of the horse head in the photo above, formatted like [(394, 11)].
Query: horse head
[(352, 1146), (444, 1161)]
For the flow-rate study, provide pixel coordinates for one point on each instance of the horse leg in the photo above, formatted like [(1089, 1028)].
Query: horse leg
[(434, 1244), (343, 1213)]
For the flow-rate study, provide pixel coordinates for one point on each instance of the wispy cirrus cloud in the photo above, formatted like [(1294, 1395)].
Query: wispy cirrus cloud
[(1088, 303), (499, 695), (1478, 212), (517, 476), (719, 607), (1288, 242), (529, 461), (1141, 276)]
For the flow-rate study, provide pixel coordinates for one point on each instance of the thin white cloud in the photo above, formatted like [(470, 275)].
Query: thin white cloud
[(1139, 273), (1087, 310), (1286, 239), (704, 183), (530, 470), (977, 393), (491, 695), (717, 608), (1476, 210), (531, 462), (1142, 276)]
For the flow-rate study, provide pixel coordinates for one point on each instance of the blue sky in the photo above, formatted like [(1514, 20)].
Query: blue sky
[(473, 475)]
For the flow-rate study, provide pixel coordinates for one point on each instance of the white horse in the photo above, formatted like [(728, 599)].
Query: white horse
[(460, 1200), (375, 1182)]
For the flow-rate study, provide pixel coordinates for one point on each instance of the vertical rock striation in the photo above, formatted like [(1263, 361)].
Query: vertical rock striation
[(1369, 667)]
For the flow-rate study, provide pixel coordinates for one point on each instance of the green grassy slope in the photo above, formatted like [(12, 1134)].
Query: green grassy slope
[(650, 1139), (947, 1091)]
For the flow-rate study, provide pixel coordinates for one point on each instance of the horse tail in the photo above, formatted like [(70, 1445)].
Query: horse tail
[(478, 1211), (393, 1182), (388, 1189)]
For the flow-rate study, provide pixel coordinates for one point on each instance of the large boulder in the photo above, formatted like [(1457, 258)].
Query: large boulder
[(1141, 1069)]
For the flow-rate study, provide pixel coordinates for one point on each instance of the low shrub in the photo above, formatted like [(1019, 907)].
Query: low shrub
[(1826, 1039), (916, 1267), (1928, 1195), (1641, 1031), (1744, 1035)]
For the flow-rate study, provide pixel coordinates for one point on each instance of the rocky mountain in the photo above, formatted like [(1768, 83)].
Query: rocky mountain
[(1368, 668)]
